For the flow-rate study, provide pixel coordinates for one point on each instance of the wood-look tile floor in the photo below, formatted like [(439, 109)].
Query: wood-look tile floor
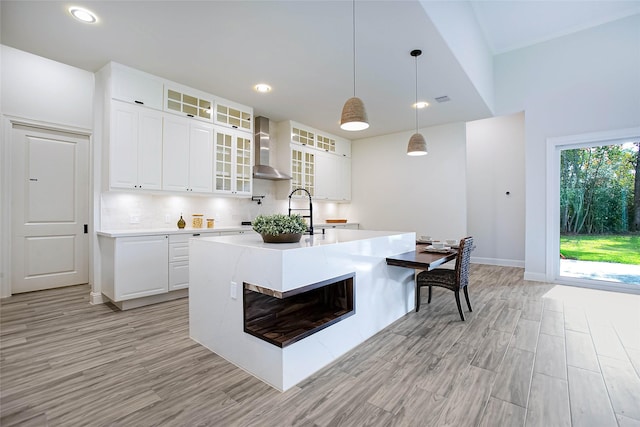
[(530, 354)]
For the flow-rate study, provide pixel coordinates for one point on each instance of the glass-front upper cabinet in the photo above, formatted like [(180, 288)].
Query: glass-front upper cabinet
[(189, 104), (303, 136), (303, 173), (233, 154), (234, 115), (326, 143)]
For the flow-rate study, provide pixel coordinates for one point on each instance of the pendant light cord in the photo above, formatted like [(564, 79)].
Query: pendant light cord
[(353, 15), (416, 104)]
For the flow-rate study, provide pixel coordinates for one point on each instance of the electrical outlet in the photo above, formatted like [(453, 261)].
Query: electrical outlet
[(234, 290), (134, 219), (167, 218)]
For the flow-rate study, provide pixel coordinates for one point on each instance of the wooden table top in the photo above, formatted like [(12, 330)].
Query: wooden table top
[(421, 260)]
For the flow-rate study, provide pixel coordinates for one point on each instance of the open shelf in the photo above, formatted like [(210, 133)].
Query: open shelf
[(282, 318)]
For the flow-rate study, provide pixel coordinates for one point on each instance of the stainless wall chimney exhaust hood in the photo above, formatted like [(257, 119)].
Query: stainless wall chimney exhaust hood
[(262, 169)]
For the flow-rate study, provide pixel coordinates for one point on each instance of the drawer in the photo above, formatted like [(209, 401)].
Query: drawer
[(178, 275), (178, 252), (184, 238), (234, 233)]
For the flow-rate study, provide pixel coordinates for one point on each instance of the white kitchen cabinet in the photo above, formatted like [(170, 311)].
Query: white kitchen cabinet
[(343, 176), (135, 147), (179, 258), (302, 168), (187, 155), (333, 177), (134, 267), (134, 86), (343, 147), (233, 153), (188, 102), (326, 179), (233, 115), (317, 161)]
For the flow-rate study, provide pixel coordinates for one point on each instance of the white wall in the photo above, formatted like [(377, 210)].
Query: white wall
[(581, 83), (393, 191), (39, 91), (495, 166)]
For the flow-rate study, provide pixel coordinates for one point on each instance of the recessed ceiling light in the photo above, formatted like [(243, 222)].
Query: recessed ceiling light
[(83, 15), (421, 104), (262, 88)]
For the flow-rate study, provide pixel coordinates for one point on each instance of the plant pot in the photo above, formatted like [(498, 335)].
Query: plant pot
[(281, 238)]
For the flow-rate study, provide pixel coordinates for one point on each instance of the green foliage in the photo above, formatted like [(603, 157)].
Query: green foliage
[(279, 224), (597, 189), (621, 249)]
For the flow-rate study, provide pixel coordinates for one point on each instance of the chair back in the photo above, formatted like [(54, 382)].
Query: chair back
[(463, 261)]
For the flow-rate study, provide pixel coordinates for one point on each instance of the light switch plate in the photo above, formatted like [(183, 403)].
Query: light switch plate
[(234, 290)]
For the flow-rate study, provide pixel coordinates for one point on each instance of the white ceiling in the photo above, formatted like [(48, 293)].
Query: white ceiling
[(513, 24), (302, 48)]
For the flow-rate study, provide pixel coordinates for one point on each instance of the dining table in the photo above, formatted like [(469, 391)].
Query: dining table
[(421, 258)]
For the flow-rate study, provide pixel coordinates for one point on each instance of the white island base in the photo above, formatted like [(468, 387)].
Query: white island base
[(220, 266)]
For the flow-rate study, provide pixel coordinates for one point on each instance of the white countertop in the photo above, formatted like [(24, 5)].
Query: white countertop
[(173, 230), (330, 237)]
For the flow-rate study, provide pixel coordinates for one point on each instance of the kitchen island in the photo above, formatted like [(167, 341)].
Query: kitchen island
[(284, 311)]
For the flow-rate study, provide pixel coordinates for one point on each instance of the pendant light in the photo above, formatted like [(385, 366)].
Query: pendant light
[(417, 145), (354, 116)]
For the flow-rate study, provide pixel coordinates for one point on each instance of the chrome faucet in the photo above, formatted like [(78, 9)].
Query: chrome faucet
[(310, 209)]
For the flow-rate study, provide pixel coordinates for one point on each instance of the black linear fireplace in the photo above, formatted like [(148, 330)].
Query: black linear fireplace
[(282, 318)]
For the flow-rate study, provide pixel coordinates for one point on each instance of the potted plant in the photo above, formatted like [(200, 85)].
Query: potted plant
[(280, 228)]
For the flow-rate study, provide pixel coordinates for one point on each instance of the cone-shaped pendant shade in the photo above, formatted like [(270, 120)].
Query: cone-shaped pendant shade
[(417, 145), (354, 116)]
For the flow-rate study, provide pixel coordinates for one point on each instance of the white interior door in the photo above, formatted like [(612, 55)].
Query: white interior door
[(49, 209)]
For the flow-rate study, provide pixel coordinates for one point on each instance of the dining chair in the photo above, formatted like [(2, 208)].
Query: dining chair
[(454, 280)]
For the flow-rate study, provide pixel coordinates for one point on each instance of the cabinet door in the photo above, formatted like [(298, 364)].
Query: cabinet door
[(303, 167), (200, 157), (326, 179), (243, 175), (175, 154), (123, 146), (343, 172), (136, 87), (150, 150), (223, 161), (178, 275), (189, 103), (233, 115), (141, 266), (310, 172)]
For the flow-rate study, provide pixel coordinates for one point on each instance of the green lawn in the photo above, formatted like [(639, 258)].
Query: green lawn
[(621, 249)]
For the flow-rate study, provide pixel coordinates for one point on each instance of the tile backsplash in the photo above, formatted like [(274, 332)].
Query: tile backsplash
[(132, 210)]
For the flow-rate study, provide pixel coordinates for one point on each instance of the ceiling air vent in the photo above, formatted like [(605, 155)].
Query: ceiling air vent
[(443, 99)]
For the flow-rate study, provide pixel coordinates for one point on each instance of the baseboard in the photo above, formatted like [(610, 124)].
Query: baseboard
[(153, 299), (498, 261), (535, 277), (96, 298)]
